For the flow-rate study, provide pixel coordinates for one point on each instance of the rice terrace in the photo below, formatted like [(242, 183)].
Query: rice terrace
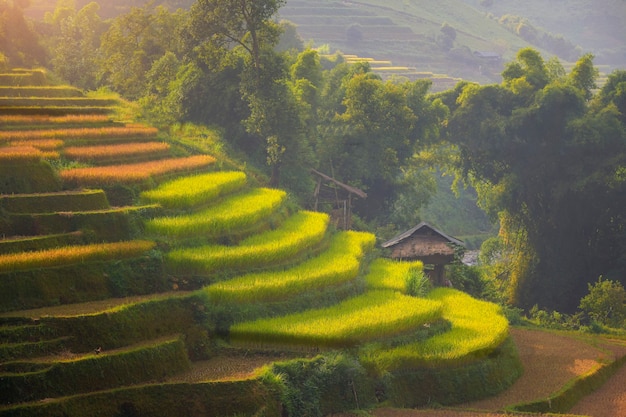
[(312, 208), (142, 276)]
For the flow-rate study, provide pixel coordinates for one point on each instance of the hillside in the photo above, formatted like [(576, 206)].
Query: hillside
[(129, 257), (445, 40), (476, 41)]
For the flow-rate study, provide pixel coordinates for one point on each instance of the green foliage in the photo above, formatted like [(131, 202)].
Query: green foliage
[(544, 157), (325, 384), (455, 384), (417, 283), (37, 177), (605, 303)]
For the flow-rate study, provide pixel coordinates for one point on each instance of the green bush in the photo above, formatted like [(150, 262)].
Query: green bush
[(323, 385), (605, 303)]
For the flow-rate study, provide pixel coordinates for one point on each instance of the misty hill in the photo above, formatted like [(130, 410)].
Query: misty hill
[(443, 40), (462, 38)]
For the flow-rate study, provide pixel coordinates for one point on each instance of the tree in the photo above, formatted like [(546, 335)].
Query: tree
[(19, 44), (547, 160), (605, 303), (369, 132), (218, 25), (133, 43), (75, 42)]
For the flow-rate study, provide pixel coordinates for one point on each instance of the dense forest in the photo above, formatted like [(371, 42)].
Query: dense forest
[(545, 148)]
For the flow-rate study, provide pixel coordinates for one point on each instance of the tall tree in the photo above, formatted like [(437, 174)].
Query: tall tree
[(133, 43), (75, 41), (19, 43), (218, 25), (547, 160)]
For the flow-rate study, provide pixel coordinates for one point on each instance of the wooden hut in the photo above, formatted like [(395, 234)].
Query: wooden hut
[(336, 198), (427, 244)]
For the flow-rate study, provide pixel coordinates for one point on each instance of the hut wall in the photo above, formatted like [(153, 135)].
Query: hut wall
[(430, 249)]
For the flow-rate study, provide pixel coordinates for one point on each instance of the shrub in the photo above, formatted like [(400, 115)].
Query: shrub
[(605, 303), (417, 283)]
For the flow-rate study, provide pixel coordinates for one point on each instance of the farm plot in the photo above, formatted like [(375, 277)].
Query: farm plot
[(103, 133), (106, 153), (340, 263), (73, 254), (392, 275), (478, 327), (133, 173), (195, 190), (297, 234), (233, 214), (24, 154), (374, 315), (12, 121)]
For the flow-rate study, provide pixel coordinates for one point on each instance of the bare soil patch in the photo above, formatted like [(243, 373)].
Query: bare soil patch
[(231, 367), (550, 361), (610, 399)]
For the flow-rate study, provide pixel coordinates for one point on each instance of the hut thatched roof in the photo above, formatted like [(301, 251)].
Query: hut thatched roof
[(424, 240)]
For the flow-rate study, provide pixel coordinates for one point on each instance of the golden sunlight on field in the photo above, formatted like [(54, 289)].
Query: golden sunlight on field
[(550, 361)]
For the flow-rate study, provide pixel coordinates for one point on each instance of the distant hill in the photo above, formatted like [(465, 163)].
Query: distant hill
[(444, 40), (469, 39)]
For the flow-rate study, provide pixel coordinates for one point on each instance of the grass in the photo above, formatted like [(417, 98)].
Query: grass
[(297, 234), (374, 315), (42, 144), (20, 154), (478, 327), (76, 119), (195, 190), (389, 274), (80, 133), (73, 254), (134, 173), (234, 213), (340, 263), (108, 152)]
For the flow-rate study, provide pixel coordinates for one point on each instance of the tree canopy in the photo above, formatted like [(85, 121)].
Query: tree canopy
[(552, 156)]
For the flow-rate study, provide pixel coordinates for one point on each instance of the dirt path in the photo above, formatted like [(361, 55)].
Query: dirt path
[(610, 399), (550, 361)]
